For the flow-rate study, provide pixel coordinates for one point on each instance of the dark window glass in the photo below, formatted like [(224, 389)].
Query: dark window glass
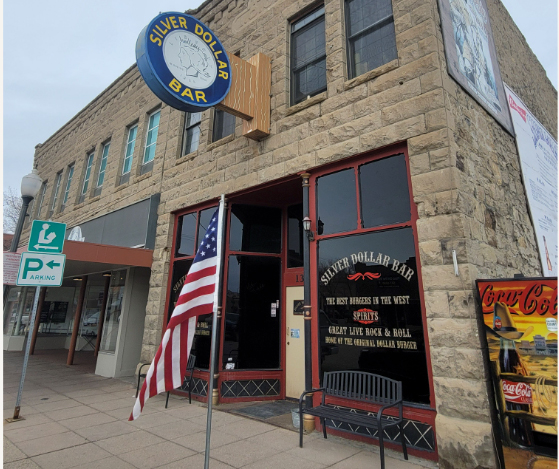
[(385, 197), (202, 335), (371, 35), (370, 309), (295, 236), (255, 229), (224, 125), (308, 56), (337, 204), (185, 235), (252, 324), (205, 219), (191, 135)]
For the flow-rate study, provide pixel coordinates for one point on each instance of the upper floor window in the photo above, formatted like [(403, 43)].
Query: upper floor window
[(68, 184), (130, 144), (87, 175), (103, 164), (55, 192), (308, 56), (151, 137), (370, 35), (41, 200), (191, 135), (224, 125)]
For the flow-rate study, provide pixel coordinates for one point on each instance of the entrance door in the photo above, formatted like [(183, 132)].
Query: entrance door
[(294, 342)]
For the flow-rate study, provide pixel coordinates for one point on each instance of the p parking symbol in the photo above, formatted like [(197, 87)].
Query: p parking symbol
[(32, 265)]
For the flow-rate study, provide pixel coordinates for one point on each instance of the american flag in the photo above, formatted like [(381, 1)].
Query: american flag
[(197, 297)]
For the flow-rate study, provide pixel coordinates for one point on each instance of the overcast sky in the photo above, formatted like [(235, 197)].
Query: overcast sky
[(60, 54)]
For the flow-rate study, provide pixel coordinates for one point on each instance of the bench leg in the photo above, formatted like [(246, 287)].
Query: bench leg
[(403, 440), (167, 401), (381, 446), (323, 422), (300, 429), (138, 387)]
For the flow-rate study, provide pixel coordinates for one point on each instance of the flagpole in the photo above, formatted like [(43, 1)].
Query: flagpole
[(217, 305)]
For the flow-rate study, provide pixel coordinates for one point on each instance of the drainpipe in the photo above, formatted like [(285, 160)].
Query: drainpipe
[(308, 420)]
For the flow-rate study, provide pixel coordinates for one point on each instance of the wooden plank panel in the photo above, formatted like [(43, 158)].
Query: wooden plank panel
[(240, 101), (259, 126)]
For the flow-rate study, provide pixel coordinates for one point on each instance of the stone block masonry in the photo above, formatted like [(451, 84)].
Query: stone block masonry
[(465, 174)]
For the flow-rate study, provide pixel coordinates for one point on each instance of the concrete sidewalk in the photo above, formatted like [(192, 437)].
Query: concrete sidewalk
[(75, 418)]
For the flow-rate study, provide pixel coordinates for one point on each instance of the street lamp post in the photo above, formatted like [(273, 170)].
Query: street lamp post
[(30, 186)]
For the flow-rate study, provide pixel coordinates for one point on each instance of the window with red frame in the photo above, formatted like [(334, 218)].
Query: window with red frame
[(191, 227), (370, 315)]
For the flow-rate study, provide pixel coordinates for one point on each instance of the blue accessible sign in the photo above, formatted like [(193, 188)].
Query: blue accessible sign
[(183, 62)]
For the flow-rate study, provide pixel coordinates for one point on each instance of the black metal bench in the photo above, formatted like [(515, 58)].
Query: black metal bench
[(186, 383), (357, 386)]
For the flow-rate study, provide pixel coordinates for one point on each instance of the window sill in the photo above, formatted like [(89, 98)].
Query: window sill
[(187, 157), (307, 103), (220, 142), (387, 67), (141, 177)]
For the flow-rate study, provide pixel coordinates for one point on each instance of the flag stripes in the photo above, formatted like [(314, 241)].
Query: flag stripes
[(196, 298)]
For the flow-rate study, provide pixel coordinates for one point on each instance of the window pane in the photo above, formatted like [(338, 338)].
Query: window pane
[(337, 204), (191, 140), (185, 235), (113, 311), (103, 165), (295, 236), (252, 326), (374, 49), (87, 173), (308, 57), (370, 309), (68, 184), (255, 229), (385, 180), (371, 34), (364, 13), (205, 219), (149, 154), (224, 125)]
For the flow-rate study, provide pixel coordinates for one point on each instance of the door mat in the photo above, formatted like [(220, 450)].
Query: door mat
[(267, 410)]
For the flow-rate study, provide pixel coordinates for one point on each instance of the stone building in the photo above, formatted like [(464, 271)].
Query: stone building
[(402, 162)]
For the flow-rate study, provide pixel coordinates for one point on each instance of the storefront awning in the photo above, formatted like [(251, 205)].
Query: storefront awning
[(88, 258)]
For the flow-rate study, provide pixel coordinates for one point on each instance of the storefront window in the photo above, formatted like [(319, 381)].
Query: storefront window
[(255, 229), (190, 230), (370, 312), (337, 205), (17, 310), (385, 198), (186, 230), (295, 236), (252, 316), (113, 311)]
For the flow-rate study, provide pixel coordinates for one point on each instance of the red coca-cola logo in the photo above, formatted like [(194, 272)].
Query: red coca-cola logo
[(498, 324), (517, 108), (520, 393)]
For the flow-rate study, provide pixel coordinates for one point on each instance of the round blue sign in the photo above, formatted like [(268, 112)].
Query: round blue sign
[(183, 62)]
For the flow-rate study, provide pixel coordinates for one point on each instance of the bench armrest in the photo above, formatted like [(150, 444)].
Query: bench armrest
[(142, 367), (312, 391), (381, 410)]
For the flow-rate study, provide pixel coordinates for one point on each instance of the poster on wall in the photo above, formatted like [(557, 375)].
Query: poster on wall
[(471, 56), (520, 327), (538, 161)]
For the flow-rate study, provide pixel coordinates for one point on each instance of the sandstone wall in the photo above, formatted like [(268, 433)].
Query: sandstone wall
[(464, 172)]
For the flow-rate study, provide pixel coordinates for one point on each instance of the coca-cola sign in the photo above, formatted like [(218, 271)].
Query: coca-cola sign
[(520, 393)]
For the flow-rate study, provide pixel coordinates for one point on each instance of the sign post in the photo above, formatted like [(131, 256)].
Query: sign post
[(39, 270)]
